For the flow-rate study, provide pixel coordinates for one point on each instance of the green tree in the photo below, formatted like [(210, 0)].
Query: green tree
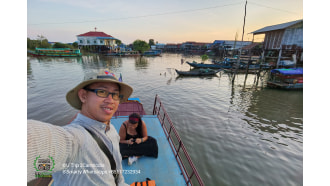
[(118, 42), (151, 42), (204, 57), (141, 46), (75, 45), (61, 45), (40, 42), (43, 42), (30, 43)]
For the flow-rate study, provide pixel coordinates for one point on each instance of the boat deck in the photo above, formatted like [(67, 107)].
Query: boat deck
[(127, 108), (164, 169)]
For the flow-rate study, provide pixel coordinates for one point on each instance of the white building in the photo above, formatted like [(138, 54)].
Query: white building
[(96, 40)]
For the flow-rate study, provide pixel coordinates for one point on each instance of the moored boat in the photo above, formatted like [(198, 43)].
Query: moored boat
[(291, 78), (226, 63), (241, 71), (152, 53), (199, 72), (202, 65), (55, 52), (173, 165), (124, 54), (264, 66)]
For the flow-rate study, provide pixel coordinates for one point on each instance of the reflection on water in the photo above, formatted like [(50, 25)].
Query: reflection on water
[(29, 75), (235, 135), (141, 62), (282, 108)]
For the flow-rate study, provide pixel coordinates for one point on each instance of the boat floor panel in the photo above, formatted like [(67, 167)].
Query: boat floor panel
[(164, 169)]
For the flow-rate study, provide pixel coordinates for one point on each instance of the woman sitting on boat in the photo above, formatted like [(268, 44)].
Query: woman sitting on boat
[(134, 139)]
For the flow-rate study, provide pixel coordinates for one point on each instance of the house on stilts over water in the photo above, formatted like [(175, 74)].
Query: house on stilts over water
[(283, 44), (95, 41)]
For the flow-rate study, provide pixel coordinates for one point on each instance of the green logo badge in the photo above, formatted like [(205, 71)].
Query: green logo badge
[(44, 166)]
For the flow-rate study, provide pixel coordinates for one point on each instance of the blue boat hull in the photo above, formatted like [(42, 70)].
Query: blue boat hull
[(296, 86), (291, 79), (200, 65)]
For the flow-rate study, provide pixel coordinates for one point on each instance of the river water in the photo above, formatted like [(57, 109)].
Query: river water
[(235, 135)]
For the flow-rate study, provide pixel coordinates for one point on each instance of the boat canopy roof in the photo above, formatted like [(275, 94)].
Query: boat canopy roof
[(53, 48), (290, 71)]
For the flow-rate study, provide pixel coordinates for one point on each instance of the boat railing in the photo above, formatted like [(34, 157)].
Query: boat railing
[(187, 167)]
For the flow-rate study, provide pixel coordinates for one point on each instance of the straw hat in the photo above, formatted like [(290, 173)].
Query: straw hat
[(105, 76)]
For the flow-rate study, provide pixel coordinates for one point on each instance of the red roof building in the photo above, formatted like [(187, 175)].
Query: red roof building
[(94, 38), (95, 34)]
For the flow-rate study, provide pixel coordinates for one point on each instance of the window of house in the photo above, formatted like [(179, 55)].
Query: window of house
[(81, 41), (101, 41), (88, 41), (94, 41)]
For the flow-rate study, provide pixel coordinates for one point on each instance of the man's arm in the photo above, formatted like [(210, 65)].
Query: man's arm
[(47, 140)]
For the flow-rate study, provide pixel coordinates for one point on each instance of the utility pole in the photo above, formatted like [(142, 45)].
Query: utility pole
[(240, 51)]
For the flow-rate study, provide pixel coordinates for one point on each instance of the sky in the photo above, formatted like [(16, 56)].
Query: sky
[(165, 21)]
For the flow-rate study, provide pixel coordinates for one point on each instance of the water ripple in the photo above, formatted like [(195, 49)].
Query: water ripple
[(234, 136)]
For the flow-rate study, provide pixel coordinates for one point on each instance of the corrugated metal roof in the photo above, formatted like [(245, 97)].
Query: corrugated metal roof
[(276, 27)]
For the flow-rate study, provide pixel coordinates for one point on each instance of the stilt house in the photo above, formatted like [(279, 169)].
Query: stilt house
[(282, 41), (96, 41)]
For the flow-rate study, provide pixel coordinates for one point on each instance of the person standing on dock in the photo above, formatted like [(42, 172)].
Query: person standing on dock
[(85, 152)]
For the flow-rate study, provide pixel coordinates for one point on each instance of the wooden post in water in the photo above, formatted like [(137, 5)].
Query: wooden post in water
[(279, 57), (258, 75), (250, 60), (240, 51)]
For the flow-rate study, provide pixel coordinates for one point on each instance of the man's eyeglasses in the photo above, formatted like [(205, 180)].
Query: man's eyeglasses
[(104, 94)]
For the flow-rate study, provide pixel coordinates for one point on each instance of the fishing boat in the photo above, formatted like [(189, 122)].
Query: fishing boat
[(291, 78), (124, 54), (173, 165), (226, 63), (55, 52), (152, 53), (202, 65), (226, 60), (241, 71), (198, 72)]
